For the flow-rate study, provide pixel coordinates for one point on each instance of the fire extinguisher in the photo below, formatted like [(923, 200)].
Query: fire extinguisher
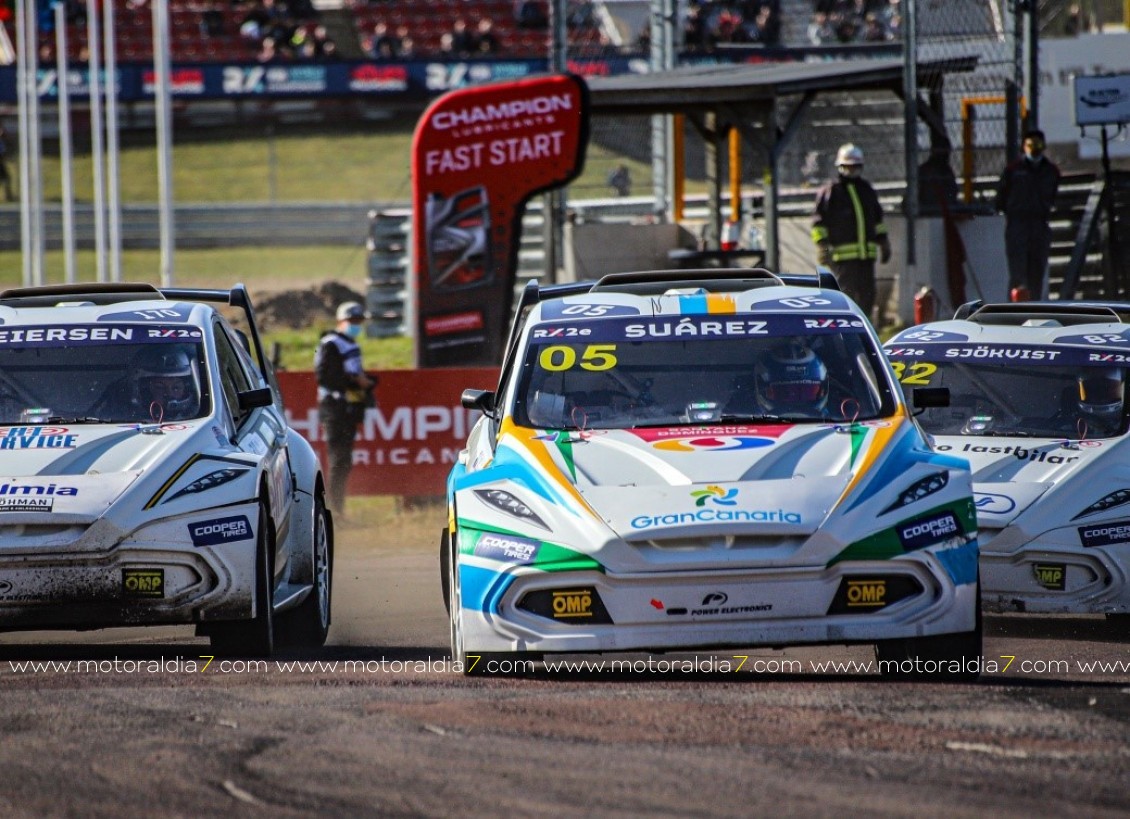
[(925, 305), (1019, 293)]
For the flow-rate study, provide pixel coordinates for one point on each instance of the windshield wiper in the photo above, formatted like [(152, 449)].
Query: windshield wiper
[(85, 419), (743, 418)]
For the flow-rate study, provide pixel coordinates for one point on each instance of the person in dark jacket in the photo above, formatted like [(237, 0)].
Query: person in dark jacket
[(848, 229), (344, 393), (1026, 196)]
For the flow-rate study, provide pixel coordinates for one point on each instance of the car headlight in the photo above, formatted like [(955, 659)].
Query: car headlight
[(918, 490), (505, 502)]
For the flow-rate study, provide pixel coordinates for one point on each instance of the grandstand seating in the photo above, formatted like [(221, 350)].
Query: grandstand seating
[(427, 20)]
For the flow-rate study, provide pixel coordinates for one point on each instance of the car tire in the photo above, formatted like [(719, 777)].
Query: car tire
[(445, 569), (963, 648), (254, 637), (308, 625)]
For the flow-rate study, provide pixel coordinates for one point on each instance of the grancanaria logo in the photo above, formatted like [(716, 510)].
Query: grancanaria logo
[(720, 496)]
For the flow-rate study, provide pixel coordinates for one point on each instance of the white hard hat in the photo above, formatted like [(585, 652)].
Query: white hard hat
[(849, 154)]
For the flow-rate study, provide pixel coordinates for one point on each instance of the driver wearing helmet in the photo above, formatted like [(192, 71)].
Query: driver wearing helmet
[(1099, 401), (791, 380), (165, 384)]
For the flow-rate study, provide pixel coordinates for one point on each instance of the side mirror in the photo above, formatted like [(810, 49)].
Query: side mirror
[(925, 398), (262, 397), (481, 400)]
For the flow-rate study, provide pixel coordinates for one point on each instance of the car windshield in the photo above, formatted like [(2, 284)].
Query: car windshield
[(101, 374), (1022, 399), (695, 370)]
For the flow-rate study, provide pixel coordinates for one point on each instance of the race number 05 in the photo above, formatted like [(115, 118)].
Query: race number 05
[(596, 357)]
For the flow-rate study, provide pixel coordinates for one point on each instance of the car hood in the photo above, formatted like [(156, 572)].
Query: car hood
[(1011, 474), (780, 479), (79, 469)]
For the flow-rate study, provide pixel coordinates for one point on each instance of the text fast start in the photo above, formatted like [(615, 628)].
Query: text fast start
[(496, 152)]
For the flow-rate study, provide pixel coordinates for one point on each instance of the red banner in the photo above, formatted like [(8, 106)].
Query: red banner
[(478, 155), (409, 441)]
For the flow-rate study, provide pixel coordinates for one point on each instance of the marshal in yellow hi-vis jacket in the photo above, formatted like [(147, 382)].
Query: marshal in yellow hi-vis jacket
[(848, 229)]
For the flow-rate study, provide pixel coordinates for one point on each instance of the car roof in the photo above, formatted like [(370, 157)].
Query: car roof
[(93, 301), (1033, 322), (743, 287)]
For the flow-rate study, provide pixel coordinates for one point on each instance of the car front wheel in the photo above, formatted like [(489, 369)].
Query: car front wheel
[(308, 625), (254, 637)]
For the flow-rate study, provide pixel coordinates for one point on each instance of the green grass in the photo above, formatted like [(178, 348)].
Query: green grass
[(285, 163), (262, 270)]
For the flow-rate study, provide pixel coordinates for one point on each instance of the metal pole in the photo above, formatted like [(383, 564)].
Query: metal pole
[(163, 71), (1033, 84), (661, 58), (62, 83), (23, 62), (910, 139), (553, 203), (94, 66), (111, 85), (35, 153)]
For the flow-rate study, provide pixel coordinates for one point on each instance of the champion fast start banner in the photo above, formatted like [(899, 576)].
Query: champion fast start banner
[(478, 155)]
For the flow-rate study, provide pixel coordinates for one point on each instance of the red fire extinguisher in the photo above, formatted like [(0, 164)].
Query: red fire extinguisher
[(1019, 293), (925, 305)]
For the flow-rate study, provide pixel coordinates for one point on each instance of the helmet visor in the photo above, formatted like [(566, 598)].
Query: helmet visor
[(1100, 390), (795, 392)]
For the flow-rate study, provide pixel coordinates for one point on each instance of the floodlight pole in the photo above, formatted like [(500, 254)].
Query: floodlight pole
[(910, 131), (163, 72), (661, 58), (63, 98), (553, 203)]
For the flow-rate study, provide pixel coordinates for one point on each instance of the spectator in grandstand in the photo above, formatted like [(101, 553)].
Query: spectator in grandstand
[(766, 26), (212, 20), (484, 41), (407, 44), (382, 45), (696, 36), (268, 51), (846, 27), (820, 31), (848, 229), (531, 14), (462, 40), (1026, 196), (873, 29)]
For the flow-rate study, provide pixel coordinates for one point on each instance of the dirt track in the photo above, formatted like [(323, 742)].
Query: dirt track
[(399, 734)]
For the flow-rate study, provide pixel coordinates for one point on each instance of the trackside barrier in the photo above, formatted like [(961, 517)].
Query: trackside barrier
[(410, 440)]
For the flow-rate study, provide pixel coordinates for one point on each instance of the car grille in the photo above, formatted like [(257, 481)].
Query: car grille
[(752, 547)]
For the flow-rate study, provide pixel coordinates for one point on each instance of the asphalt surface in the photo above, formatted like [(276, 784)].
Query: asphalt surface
[(378, 724)]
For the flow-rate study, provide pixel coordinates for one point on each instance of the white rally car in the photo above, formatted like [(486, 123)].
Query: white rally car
[(147, 474), (1036, 394), (695, 459)]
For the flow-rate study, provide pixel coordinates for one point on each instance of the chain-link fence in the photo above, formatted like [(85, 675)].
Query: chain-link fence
[(970, 105)]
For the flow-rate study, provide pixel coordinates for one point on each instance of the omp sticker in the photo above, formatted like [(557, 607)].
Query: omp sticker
[(143, 582), (1052, 576)]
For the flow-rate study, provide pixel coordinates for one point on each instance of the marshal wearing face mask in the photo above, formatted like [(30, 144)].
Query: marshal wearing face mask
[(344, 392)]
